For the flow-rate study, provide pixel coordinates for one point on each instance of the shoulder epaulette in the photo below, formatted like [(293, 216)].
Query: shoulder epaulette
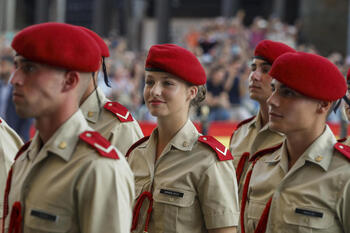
[(119, 110), (221, 151), (136, 144), (244, 122), (343, 149), (100, 144), (0, 121), (265, 151), (341, 139)]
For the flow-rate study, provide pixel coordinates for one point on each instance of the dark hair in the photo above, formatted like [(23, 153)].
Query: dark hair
[(202, 91)]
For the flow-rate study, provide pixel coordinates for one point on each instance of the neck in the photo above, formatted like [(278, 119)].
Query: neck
[(48, 124), (264, 112), (91, 88), (298, 142), (167, 128)]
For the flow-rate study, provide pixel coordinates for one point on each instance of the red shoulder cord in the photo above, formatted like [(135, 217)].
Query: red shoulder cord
[(16, 218), (137, 209), (261, 228), (8, 187), (241, 163)]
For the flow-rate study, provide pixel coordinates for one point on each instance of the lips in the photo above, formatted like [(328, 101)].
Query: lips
[(156, 102), (275, 114)]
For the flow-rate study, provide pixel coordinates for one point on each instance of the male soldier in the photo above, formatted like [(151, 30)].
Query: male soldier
[(10, 143), (111, 119), (253, 134), (69, 178), (302, 185)]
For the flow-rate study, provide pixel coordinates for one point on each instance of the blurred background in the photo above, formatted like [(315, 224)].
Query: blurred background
[(222, 34)]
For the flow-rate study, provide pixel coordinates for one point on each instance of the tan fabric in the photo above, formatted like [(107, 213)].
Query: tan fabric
[(189, 167), (319, 182), (252, 137), (10, 143), (121, 134), (72, 187), (347, 141)]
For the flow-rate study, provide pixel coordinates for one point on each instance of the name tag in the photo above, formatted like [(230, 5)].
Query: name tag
[(309, 213), (172, 193), (44, 215)]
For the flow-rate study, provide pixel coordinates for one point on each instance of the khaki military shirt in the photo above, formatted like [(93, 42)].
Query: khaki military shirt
[(120, 134), (10, 143), (313, 196), (252, 137), (67, 186), (192, 190)]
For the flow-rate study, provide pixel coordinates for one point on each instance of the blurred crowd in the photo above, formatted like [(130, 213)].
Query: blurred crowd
[(225, 48)]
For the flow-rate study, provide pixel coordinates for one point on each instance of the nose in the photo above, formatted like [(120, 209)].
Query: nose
[(156, 89), (272, 101), (15, 78), (256, 75)]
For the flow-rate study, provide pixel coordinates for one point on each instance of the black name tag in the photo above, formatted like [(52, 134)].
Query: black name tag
[(43, 215), (171, 193), (309, 213)]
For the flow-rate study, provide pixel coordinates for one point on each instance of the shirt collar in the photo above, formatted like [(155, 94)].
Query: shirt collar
[(183, 140), (91, 107), (320, 152), (63, 142)]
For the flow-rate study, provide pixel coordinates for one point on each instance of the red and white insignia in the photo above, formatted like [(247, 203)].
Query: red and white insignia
[(98, 142), (221, 151), (120, 111), (343, 149)]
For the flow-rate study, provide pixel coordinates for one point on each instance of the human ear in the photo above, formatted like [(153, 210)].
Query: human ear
[(192, 92), (71, 80)]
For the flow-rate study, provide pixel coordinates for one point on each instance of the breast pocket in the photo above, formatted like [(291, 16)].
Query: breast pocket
[(254, 211), (46, 220), (174, 208), (306, 219)]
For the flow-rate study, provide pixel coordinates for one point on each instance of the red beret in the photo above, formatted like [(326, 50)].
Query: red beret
[(310, 75), (270, 50), (100, 42), (176, 60), (58, 44)]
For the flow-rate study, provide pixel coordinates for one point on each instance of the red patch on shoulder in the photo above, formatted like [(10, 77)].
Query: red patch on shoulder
[(343, 149), (99, 143), (221, 151), (119, 110)]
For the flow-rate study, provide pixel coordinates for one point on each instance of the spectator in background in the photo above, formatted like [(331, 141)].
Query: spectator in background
[(217, 98), (236, 88), (7, 108)]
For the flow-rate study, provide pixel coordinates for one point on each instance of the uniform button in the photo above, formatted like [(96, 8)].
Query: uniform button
[(110, 104), (62, 145), (204, 139), (88, 135), (90, 114), (185, 144), (319, 158), (341, 147)]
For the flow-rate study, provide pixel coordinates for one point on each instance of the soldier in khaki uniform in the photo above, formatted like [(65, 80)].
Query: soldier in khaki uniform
[(111, 119), (185, 182), (10, 143), (253, 134), (304, 184), (69, 178)]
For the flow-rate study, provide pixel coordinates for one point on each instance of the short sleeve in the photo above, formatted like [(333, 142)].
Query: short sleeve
[(105, 193), (344, 207), (218, 196)]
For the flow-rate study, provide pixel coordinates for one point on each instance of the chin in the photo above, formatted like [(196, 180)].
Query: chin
[(275, 127)]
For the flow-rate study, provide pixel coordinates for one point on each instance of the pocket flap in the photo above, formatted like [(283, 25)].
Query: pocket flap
[(307, 216), (174, 196)]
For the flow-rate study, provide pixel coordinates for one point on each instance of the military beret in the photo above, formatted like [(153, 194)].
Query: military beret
[(100, 42), (310, 75), (269, 50), (58, 44), (176, 60)]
